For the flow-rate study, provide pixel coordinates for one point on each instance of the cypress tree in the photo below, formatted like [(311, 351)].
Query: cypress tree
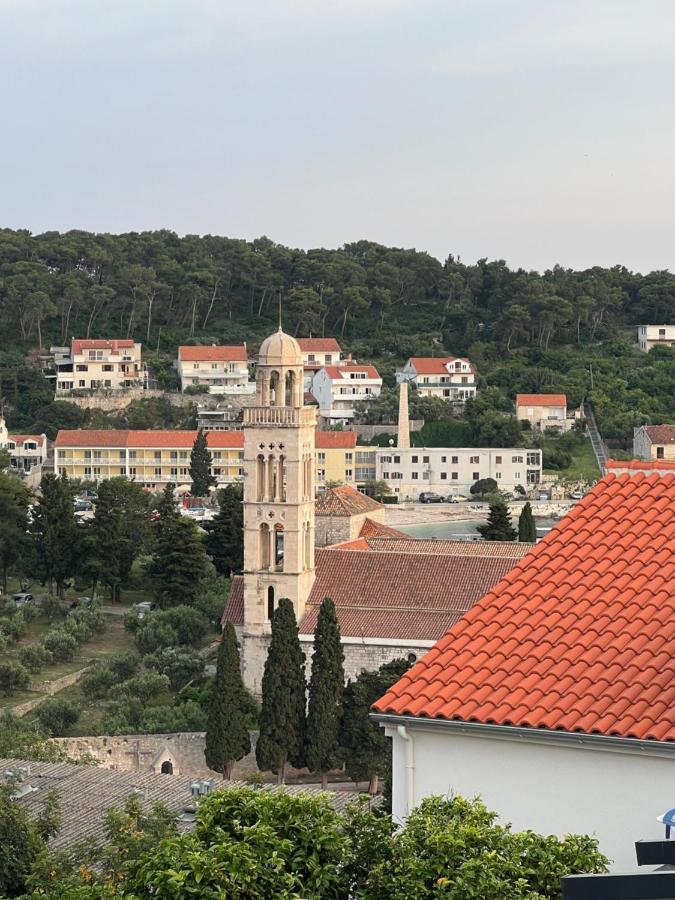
[(227, 737), (324, 710), (527, 530), (167, 508), (499, 526), (225, 533), (282, 716), (200, 464), (180, 564)]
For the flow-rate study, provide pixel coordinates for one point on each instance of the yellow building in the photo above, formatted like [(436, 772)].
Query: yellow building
[(152, 458)]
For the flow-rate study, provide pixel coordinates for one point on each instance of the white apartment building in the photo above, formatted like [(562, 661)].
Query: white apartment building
[(316, 353), (454, 470), (222, 369), (448, 377), (25, 450), (655, 336), (100, 364), (337, 388)]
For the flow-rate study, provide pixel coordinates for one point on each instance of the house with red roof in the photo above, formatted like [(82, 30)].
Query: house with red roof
[(316, 353), (220, 369), (543, 411), (108, 364), (553, 697), (26, 451), (654, 442), (337, 388), (450, 378)]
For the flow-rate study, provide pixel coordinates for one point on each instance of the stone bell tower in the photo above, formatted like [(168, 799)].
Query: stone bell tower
[(279, 464)]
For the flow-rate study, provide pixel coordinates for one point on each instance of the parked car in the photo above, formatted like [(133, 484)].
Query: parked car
[(455, 498), (430, 497), (142, 609), (22, 598), (576, 495), (81, 505)]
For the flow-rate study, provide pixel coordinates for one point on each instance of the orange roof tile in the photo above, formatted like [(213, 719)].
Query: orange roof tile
[(344, 500), (230, 353), (342, 372), (335, 440), (492, 549), (436, 365), (20, 438), (371, 529), (573, 635), (320, 345), (541, 400), (159, 439), (661, 434), (640, 465), (78, 345)]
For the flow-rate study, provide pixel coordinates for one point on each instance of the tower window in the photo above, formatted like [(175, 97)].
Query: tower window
[(270, 602)]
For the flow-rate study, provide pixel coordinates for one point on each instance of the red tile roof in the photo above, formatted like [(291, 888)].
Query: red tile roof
[(234, 608), (436, 365), (20, 438), (160, 439), (335, 440), (371, 529), (406, 596), (114, 345), (541, 400), (319, 345), (233, 353), (342, 372), (345, 500), (640, 465), (486, 549), (661, 434), (578, 637)]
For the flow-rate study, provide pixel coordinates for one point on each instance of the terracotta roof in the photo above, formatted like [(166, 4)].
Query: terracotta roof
[(484, 549), (87, 792), (344, 500), (371, 529), (160, 439), (436, 365), (320, 345), (114, 345), (578, 636), (661, 434), (20, 438), (233, 353), (640, 465), (541, 400), (390, 594), (234, 608), (333, 440), (341, 372)]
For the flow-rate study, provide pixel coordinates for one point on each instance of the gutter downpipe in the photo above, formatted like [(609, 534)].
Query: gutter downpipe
[(402, 732)]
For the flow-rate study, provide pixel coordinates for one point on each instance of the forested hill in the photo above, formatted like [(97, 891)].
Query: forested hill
[(525, 330)]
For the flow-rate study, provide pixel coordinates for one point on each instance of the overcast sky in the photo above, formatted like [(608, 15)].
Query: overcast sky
[(537, 131)]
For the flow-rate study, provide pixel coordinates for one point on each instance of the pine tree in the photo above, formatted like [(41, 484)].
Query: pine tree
[(14, 500), (326, 685), (499, 526), (527, 530), (365, 748), (282, 717), (200, 465), (225, 533), (227, 737), (121, 530), (55, 533), (166, 508), (180, 564)]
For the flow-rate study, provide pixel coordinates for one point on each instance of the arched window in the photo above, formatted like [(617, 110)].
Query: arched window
[(260, 477), (272, 478), (282, 479), (270, 602), (279, 546), (264, 548), (307, 548), (167, 767), (290, 389), (274, 398)]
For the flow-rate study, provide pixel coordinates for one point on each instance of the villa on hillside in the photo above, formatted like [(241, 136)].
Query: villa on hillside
[(447, 377), (100, 364), (221, 369), (654, 442)]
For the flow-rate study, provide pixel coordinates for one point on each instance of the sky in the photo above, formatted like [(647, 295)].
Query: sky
[(535, 131)]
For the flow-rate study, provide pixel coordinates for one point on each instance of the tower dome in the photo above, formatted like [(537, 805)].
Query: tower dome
[(280, 349)]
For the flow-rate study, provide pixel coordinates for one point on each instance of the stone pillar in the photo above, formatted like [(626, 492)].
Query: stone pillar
[(403, 436)]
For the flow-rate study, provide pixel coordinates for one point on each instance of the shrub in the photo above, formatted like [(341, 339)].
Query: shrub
[(178, 664), (78, 629), (98, 683), (62, 645), (93, 619), (189, 624), (13, 677), (14, 627), (35, 657), (56, 715), (154, 634), (132, 621), (123, 665), (148, 688)]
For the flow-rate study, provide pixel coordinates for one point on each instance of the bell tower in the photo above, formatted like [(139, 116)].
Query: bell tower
[(279, 464)]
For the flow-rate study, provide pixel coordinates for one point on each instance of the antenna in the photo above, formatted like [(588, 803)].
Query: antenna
[(280, 293)]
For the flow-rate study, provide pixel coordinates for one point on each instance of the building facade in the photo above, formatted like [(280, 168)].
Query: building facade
[(450, 378), (221, 369), (654, 442), (543, 411), (26, 451), (453, 470), (317, 353), (655, 336), (338, 388), (100, 364)]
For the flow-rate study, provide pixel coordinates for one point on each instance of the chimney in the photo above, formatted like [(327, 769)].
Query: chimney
[(403, 436)]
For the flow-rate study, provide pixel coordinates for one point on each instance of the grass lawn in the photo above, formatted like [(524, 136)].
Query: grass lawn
[(583, 466)]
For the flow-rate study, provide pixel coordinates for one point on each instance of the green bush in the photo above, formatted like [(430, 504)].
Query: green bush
[(154, 634), (123, 665), (556, 459), (98, 683), (60, 644), (178, 664), (14, 627), (13, 677), (56, 715), (78, 629), (189, 624), (149, 688), (35, 657)]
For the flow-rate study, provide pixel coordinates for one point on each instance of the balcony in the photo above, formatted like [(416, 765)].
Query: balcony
[(279, 416)]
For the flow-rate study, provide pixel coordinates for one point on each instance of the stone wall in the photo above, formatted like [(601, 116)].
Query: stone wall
[(362, 656)]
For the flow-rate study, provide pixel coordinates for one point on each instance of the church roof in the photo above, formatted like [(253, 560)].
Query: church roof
[(280, 349), (345, 500)]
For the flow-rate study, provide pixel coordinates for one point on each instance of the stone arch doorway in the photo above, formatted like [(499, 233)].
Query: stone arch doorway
[(166, 768)]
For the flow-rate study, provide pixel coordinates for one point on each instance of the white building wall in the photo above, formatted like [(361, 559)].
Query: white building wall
[(336, 396), (218, 376), (552, 789), (655, 335), (453, 470)]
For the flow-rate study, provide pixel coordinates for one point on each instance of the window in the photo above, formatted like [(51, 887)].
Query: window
[(386, 459), (498, 475), (348, 475), (122, 454), (217, 471), (174, 472), (397, 476), (476, 476), (107, 368), (173, 454), (660, 452), (132, 470), (87, 471), (158, 471), (132, 454), (415, 459), (158, 454), (414, 476), (97, 454), (321, 475), (97, 471), (444, 459), (81, 368), (444, 476), (107, 383), (329, 358), (195, 365), (425, 459), (473, 460), (455, 460), (270, 602), (454, 476), (662, 332), (498, 460), (516, 475), (82, 383), (183, 454), (349, 457), (87, 454), (465, 380), (533, 476), (397, 459), (214, 365), (217, 454), (447, 392), (533, 458), (311, 357), (96, 354), (321, 458), (516, 459)]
